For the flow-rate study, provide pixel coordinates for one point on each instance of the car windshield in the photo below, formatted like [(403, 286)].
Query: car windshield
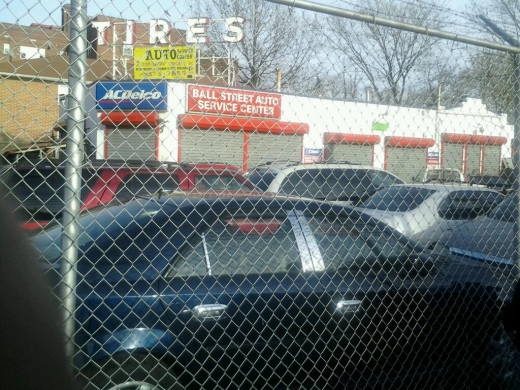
[(506, 210), (397, 198), (444, 175)]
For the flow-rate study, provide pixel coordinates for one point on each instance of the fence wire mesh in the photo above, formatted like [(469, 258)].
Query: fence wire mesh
[(269, 197)]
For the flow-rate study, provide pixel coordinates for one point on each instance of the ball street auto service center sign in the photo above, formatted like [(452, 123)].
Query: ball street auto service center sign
[(165, 63), (236, 102)]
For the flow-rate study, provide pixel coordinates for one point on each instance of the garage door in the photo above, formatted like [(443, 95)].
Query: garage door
[(406, 163), (265, 148), (129, 143), (359, 154), (492, 159), (473, 159), (453, 155), (211, 146)]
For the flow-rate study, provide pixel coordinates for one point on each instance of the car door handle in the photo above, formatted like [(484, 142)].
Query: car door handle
[(209, 312), (348, 306)]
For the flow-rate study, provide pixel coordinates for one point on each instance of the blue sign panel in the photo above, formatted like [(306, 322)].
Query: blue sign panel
[(130, 95)]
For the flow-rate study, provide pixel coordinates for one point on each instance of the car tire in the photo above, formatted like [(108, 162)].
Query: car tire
[(502, 362), (129, 372)]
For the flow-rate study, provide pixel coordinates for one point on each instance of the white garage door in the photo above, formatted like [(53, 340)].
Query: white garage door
[(129, 143), (406, 163), (358, 154), (473, 159), (453, 155), (265, 148), (212, 146), (492, 159)]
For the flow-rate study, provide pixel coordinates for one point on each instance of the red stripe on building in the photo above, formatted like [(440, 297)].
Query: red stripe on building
[(259, 125), (409, 142), (118, 118), (356, 139), (473, 139)]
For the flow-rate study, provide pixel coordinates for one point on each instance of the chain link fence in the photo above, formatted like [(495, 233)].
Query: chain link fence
[(243, 194)]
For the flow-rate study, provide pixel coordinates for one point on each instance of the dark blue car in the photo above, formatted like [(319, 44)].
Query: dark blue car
[(262, 292)]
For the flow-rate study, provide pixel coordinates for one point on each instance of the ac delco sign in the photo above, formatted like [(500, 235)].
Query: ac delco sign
[(125, 95), (236, 102)]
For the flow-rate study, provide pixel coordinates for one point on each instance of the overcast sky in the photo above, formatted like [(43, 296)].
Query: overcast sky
[(25, 12)]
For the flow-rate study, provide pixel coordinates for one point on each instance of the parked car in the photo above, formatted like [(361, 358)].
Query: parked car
[(36, 190), (440, 175), (423, 212), (269, 292), (492, 181), (334, 182), (489, 239)]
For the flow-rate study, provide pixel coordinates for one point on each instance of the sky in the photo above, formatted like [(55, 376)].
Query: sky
[(25, 12)]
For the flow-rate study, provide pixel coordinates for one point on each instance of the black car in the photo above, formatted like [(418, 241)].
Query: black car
[(267, 292), (491, 181)]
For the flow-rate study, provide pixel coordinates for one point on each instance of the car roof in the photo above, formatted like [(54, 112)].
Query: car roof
[(444, 186), (301, 167), (128, 164), (442, 169), (229, 201), (288, 168)]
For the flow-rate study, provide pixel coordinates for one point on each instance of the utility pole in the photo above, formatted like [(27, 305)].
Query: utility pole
[(437, 130)]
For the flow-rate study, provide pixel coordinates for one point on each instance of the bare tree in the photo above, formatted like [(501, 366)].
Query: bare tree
[(274, 40), (503, 13), (492, 73), (387, 57)]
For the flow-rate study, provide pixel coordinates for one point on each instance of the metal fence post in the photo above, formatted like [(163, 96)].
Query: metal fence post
[(74, 159), (516, 159)]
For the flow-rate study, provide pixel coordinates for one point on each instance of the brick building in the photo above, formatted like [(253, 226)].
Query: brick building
[(34, 70)]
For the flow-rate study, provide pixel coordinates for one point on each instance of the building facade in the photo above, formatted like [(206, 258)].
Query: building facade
[(192, 123), (34, 69)]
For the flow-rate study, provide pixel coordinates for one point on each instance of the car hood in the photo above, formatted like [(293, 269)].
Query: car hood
[(487, 240)]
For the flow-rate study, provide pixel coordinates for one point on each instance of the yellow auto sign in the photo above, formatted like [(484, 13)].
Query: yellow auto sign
[(165, 62)]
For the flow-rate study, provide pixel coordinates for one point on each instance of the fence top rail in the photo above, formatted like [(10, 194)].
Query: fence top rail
[(343, 13)]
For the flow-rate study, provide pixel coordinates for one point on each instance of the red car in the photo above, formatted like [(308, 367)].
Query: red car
[(36, 191)]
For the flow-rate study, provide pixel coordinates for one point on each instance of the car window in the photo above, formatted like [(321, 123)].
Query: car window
[(444, 175), (40, 191), (261, 180), (467, 204), (451, 175), (340, 244), (397, 198), (331, 184), (147, 184), (343, 243), (383, 179), (506, 210), (219, 182), (241, 245), (307, 183)]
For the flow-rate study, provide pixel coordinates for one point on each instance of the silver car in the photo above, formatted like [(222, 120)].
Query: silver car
[(488, 239), (424, 212)]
